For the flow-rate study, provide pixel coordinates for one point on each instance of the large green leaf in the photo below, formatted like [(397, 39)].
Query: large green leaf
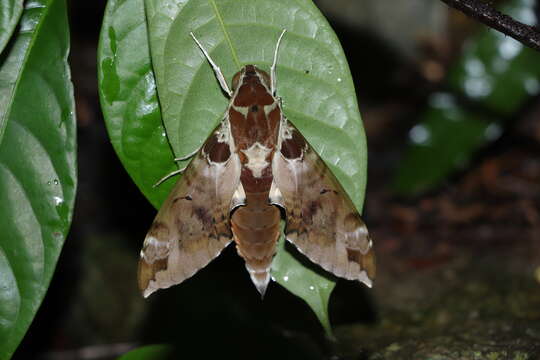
[(129, 101), (313, 79), (37, 164), (10, 13)]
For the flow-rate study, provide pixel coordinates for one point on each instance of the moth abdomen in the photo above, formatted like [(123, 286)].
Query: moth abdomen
[(256, 230)]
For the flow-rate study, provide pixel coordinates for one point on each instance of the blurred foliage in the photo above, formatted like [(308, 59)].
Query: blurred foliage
[(9, 18), (149, 352), (401, 27), (491, 81)]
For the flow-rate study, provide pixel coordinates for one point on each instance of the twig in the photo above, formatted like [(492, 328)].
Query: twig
[(526, 34)]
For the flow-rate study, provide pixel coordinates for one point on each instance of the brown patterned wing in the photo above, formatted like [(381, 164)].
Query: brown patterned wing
[(322, 221), (193, 226)]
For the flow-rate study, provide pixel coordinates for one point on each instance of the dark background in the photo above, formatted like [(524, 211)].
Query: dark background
[(458, 265)]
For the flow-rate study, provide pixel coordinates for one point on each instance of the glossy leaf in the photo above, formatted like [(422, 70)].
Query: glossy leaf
[(37, 164), (313, 77), (149, 352), (317, 90), (314, 287), (9, 18), (495, 73), (129, 100), (313, 80)]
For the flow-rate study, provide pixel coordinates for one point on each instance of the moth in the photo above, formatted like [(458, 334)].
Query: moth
[(254, 166)]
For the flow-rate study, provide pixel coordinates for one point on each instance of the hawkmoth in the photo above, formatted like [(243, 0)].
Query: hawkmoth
[(254, 164)]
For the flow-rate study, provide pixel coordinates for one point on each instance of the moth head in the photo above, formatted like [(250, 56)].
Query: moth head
[(250, 73)]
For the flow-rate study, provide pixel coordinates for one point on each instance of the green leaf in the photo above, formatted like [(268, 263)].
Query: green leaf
[(313, 286), (313, 79), (37, 164), (9, 17), (129, 100), (149, 352)]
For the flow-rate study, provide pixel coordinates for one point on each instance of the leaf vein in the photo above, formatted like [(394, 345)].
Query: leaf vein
[(225, 33)]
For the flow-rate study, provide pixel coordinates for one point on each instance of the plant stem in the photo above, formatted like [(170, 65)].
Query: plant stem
[(485, 13)]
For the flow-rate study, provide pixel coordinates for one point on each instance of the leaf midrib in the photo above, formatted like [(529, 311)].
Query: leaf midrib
[(225, 33)]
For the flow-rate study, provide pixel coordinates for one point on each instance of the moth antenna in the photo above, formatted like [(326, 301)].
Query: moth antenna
[(273, 67), (188, 156), (217, 70), (176, 172)]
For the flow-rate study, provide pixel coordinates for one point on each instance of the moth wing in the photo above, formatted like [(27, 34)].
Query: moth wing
[(322, 221), (192, 226)]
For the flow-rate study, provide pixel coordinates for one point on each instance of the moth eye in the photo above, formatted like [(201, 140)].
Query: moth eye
[(188, 198), (265, 77), (324, 191), (236, 80)]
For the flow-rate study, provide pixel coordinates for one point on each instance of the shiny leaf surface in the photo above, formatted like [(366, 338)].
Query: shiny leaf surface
[(313, 77), (311, 285), (9, 18), (37, 164), (129, 99)]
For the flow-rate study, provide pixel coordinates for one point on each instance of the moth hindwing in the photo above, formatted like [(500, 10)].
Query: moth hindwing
[(254, 163)]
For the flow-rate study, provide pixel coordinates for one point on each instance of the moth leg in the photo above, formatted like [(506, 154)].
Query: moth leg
[(175, 172), (217, 70), (273, 67), (190, 155)]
